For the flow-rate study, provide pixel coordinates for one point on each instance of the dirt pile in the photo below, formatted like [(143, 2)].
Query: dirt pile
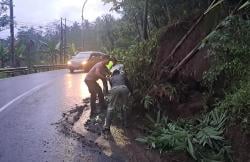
[(181, 61), (240, 142), (178, 40)]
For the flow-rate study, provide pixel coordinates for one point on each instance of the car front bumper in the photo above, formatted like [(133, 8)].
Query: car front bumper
[(77, 67)]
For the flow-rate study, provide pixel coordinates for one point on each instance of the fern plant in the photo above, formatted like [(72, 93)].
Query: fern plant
[(202, 138)]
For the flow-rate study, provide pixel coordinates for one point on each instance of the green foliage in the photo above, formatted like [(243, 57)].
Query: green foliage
[(3, 75), (28, 46), (230, 70), (3, 55), (138, 60), (230, 52), (202, 138), (160, 12), (4, 18), (237, 103), (147, 101)]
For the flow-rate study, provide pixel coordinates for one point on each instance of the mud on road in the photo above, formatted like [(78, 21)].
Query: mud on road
[(119, 145)]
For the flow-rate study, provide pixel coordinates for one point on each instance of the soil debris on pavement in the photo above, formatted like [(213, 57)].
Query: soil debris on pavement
[(118, 145), (66, 123)]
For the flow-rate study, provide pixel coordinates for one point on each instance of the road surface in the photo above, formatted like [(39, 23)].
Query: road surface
[(29, 105)]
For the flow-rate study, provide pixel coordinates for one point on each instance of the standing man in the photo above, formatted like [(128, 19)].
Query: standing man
[(98, 71)]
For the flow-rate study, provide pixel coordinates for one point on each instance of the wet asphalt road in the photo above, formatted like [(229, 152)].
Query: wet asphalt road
[(28, 106)]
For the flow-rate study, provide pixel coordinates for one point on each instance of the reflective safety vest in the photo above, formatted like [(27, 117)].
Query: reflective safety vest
[(110, 65)]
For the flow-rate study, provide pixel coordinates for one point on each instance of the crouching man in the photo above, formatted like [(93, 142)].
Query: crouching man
[(120, 89)]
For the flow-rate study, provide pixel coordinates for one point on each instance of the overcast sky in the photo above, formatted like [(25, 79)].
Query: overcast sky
[(42, 12)]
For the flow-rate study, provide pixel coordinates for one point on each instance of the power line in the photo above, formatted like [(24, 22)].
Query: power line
[(34, 27), (32, 23), (37, 30), (52, 24)]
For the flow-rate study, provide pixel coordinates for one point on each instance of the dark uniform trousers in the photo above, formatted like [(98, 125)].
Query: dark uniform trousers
[(94, 90)]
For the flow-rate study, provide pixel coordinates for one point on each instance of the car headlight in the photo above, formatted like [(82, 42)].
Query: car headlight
[(69, 63), (84, 62)]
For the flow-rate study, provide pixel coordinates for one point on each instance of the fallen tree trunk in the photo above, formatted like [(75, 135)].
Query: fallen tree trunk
[(184, 61)]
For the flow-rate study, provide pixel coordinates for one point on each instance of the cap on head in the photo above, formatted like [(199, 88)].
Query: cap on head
[(105, 59)]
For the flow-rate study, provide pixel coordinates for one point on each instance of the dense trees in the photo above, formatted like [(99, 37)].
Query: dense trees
[(4, 18), (147, 15), (138, 22), (40, 45)]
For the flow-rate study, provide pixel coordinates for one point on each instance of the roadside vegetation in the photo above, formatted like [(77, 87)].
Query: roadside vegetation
[(205, 136), (215, 130)]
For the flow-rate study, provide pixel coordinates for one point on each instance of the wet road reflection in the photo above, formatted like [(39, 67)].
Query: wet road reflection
[(84, 93), (26, 133), (74, 81)]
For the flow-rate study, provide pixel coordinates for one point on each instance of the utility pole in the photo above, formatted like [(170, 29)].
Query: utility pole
[(65, 40), (61, 42), (83, 24), (12, 39)]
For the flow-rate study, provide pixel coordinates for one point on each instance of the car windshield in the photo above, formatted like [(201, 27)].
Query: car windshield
[(82, 55)]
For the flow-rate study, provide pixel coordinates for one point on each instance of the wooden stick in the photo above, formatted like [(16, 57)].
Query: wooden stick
[(184, 61)]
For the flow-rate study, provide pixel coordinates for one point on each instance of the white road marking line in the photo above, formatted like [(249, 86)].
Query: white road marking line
[(22, 95)]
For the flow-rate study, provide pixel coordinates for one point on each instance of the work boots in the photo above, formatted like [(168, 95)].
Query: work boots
[(124, 118), (108, 119)]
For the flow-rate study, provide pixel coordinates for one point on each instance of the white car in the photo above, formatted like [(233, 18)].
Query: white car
[(85, 60)]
